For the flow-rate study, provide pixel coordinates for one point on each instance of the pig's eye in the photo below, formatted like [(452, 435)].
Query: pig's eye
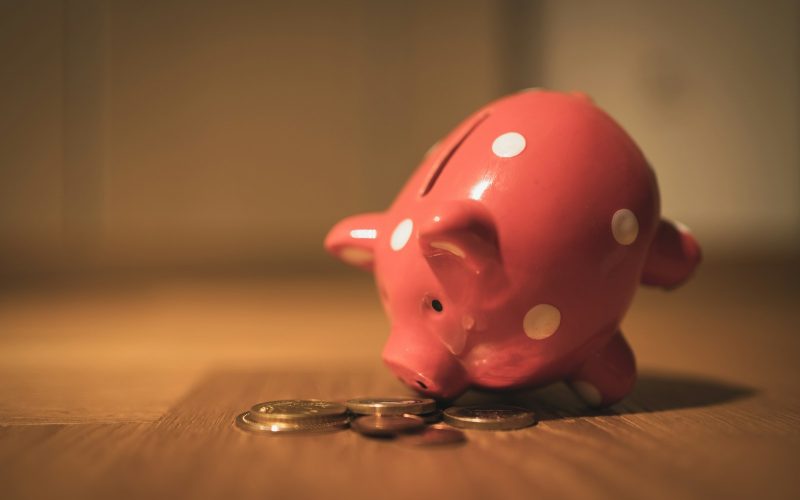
[(437, 306)]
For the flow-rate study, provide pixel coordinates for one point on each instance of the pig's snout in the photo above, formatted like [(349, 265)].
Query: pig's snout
[(428, 369)]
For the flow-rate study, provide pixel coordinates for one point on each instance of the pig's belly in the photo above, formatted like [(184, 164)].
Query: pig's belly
[(519, 364), (490, 368)]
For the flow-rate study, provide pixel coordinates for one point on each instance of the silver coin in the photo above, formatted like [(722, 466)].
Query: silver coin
[(391, 405), (245, 422), (298, 410), (497, 418), (434, 435), (387, 425)]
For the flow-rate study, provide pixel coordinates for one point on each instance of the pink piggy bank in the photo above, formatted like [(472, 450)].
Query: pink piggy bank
[(511, 255)]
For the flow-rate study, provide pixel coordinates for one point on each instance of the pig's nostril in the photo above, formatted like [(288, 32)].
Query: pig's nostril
[(421, 384)]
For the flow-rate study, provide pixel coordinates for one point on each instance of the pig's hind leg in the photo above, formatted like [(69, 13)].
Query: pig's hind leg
[(607, 376)]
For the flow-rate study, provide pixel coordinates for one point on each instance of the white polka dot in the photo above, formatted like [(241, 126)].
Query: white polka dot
[(624, 226), (355, 255), (508, 145), (587, 392), (401, 234), (541, 321)]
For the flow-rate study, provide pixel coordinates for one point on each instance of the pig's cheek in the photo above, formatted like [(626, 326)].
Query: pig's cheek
[(468, 323), (453, 336), (384, 296), (438, 321)]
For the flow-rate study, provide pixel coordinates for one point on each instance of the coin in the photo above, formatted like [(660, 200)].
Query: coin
[(245, 422), (387, 425), (391, 405), (430, 418), (496, 418), (434, 435), (298, 410)]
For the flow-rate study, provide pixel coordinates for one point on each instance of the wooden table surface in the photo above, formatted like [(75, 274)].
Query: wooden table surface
[(129, 389)]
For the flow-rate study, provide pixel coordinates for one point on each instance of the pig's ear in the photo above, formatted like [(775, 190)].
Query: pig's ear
[(673, 256), (352, 240), (460, 242)]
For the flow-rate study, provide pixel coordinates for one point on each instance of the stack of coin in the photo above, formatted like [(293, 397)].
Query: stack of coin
[(294, 415), (401, 417), (425, 408), (387, 425)]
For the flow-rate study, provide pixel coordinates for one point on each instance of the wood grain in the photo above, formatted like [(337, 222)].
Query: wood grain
[(715, 413), (677, 436)]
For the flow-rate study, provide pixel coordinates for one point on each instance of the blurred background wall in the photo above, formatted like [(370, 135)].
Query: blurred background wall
[(185, 135)]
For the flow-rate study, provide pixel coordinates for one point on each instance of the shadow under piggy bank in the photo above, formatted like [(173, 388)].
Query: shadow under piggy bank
[(655, 391)]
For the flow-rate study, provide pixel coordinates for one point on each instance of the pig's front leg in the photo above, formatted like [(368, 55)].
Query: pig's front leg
[(607, 376)]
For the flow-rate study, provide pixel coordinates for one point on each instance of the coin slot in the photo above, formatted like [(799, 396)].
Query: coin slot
[(439, 168), (421, 384)]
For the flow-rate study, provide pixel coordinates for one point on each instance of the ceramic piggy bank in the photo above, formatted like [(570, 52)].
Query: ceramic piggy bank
[(511, 255)]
